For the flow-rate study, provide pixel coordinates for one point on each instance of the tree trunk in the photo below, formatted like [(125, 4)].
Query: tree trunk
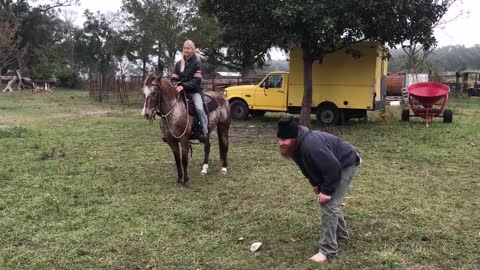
[(22, 61), (20, 82), (160, 65), (144, 69), (306, 110), (171, 60), (9, 85)]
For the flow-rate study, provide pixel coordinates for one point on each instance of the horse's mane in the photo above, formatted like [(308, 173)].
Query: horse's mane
[(168, 87)]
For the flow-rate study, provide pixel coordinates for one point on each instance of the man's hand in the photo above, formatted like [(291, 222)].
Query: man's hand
[(179, 88), (322, 198)]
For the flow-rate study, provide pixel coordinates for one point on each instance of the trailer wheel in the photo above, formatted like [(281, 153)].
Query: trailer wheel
[(239, 110), (406, 115), (447, 116), (328, 114)]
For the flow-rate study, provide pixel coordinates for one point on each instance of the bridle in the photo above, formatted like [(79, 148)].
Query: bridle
[(156, 109)]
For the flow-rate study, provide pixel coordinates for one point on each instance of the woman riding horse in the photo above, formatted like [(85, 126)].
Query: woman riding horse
[(188, 77), (162, 98)]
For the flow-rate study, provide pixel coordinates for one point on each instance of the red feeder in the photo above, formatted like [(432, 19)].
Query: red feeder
[(428, 100)]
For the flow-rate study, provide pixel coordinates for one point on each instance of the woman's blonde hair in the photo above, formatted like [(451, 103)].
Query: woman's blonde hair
[(182, 61)]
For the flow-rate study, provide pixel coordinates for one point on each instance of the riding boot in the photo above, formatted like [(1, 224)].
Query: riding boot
[(202, 137)]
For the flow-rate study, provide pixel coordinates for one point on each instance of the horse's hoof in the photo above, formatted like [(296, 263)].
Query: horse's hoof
[(223, 171), (204, 169), (181, 185)]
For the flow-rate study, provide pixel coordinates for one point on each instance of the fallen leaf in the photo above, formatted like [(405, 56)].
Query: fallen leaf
[(255, 246), (241, 238)]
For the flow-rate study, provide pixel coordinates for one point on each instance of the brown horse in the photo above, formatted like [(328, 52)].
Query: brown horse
[(162, 98)]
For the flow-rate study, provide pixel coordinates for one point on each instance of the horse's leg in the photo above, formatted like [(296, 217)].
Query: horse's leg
[(206, 151), (185, 150), (176, 153), (222, 131)]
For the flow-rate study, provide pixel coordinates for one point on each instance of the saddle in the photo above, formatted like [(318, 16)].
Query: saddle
[(209, 105)]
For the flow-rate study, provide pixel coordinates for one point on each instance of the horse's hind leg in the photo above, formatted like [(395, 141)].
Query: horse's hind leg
[(185, 151), (178, 161), (206, 157), (223, 145)]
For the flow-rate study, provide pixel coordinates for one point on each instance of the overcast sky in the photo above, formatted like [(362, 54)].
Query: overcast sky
[(460, 31)]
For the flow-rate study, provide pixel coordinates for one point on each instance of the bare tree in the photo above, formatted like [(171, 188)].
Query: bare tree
[(7, 45), (417, 54)]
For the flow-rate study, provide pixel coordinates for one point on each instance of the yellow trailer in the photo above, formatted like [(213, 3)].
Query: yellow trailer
[(343, 87)]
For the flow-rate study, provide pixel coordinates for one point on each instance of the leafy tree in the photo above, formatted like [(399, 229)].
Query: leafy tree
[(444, 59), (34, 26), (244, 32), (97, 45), (207, 36), (322, 27), (140, 37), (157, 28), (7, 46)]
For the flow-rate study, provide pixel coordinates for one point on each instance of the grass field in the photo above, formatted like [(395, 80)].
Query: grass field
[(85, 185)]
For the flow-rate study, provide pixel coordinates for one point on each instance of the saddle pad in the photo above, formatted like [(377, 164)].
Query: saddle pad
[(211, 105)]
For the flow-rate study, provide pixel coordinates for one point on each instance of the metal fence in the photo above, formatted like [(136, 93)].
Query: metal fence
[(399, 81), (126, 90)]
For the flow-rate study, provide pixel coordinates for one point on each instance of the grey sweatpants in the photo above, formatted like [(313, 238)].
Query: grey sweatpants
[(333, 223)]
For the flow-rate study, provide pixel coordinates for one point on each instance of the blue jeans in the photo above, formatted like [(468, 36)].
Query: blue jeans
[(202, 116), (333, 223)]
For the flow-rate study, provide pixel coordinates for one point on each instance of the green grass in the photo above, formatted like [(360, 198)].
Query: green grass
[(85, 185)]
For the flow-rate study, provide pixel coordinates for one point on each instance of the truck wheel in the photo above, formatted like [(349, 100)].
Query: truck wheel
[(447, 116), (328, 114), (258, 113), (406, 115), (239, 110)]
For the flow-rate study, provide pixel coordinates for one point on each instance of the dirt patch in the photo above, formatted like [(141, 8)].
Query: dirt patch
[(253, 131)]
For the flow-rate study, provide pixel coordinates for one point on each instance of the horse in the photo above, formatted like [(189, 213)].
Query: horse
[(162, 98)]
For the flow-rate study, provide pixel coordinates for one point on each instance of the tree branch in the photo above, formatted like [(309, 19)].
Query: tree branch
[(57, 4)]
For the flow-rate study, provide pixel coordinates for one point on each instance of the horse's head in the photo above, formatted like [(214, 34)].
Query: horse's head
[(151, 93)]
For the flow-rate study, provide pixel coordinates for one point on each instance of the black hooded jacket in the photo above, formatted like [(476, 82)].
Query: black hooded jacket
[(191, 77), (321, 158)]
